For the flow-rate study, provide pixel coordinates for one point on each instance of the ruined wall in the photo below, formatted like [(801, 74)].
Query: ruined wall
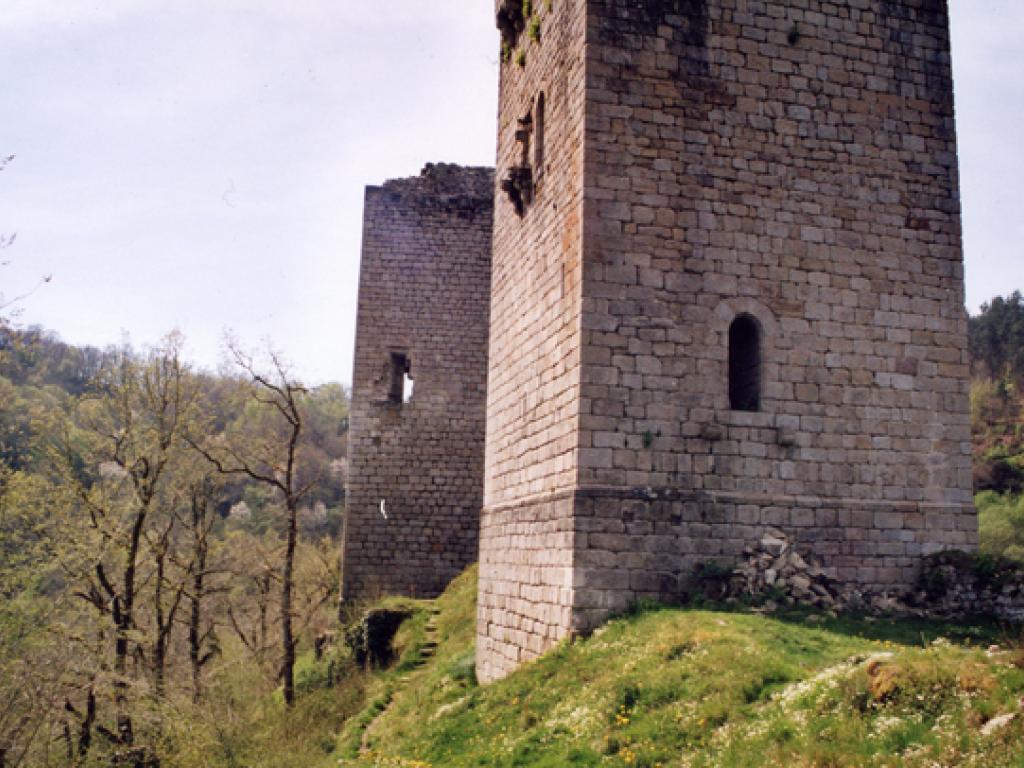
[(793, 163), (424, 295)]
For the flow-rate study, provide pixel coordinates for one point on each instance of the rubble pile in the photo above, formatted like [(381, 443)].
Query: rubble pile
[(951, 584), (776, 570), (955, 583)]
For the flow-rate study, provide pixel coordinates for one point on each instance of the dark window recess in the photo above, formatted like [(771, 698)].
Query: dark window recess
[(400, 386), (745, 364), (538, 137), (518, 182)]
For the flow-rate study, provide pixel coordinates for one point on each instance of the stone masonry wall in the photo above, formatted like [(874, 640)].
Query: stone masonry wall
[(534, 364), (526, 556), (533, 388), (424, 293), (793, 162)]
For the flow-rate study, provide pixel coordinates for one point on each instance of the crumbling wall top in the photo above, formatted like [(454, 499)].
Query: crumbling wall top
[(463, 188)]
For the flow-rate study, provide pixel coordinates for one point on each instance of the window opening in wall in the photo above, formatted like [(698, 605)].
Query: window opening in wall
[(524, 131), (745, 364), (538, 137), (401, 385)]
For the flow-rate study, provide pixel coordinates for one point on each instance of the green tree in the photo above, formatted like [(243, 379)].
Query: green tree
[(32, 666), (997, 338)]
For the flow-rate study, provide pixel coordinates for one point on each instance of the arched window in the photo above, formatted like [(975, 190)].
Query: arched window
[(538, 137), (745, 364)]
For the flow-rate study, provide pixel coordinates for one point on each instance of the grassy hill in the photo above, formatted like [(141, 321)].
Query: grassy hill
[(674, 687)]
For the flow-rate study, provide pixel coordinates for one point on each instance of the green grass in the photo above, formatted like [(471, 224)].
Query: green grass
[(658, 687), (675, 687)]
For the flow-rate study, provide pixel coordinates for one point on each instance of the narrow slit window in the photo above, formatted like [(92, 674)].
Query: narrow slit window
[(745, 364), (538, 137), (400, 385)]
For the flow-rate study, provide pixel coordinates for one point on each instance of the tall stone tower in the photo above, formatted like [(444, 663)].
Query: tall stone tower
[(727, 295), (419, 383)]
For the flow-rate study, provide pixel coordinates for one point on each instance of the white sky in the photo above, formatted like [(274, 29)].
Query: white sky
[(200, 164)]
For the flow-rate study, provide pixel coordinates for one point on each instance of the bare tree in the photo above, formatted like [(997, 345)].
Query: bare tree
[(132, 433), (166, 595), (248, 606), (268, 455), (198, 522), (6, 241)]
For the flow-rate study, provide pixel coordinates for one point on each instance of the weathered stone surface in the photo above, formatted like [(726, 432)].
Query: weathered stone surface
[(702, 163), (416, 468)]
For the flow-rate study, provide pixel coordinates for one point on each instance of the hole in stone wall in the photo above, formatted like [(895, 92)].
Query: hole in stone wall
[(745, 364), (400, 381), (524, 134)]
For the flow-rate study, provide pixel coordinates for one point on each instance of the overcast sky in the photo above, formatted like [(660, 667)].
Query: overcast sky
[(200, 164)]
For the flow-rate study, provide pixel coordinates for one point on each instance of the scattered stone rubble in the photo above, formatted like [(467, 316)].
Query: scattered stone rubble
[(775, 571), (952, 583)]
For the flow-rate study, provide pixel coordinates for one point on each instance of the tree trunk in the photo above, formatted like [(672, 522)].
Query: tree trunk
[(263, 585), (122, 624), (287, 640), (124, 621), (195, 618), (160, 644), (85, 732)]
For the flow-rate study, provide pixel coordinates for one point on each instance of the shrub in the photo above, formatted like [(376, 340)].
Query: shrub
[(1001, 524)]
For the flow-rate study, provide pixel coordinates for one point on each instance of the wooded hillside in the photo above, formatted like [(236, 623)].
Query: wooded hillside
[(158, 525), (997, 423)]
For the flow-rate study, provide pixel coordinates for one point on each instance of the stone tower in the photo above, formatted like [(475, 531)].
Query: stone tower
[(727, 296), (419, 382)]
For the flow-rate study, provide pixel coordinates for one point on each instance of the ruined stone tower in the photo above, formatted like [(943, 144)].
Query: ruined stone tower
[(727, 295), (419, 381)]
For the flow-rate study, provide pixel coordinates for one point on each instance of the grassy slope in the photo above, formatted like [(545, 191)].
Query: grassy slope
[(700, 688)]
